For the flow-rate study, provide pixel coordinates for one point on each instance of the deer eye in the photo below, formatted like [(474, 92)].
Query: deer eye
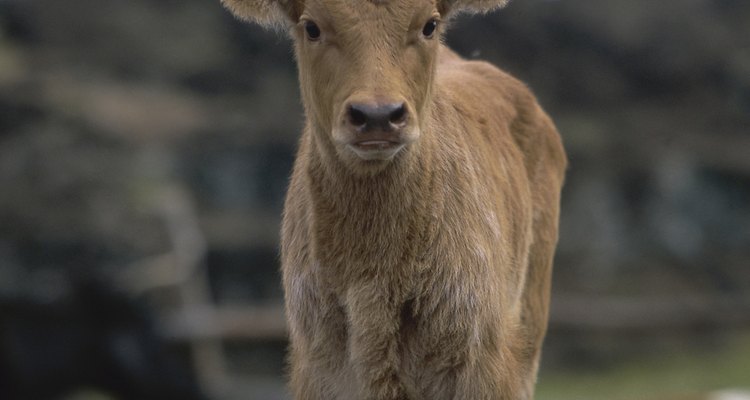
[(429, 28), (312, 31)]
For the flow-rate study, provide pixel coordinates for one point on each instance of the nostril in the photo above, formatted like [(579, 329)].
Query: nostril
[(398, 115), (357, 117), (376, 116)]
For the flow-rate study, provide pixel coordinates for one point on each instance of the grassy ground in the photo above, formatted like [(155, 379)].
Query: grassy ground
[(677, 375)]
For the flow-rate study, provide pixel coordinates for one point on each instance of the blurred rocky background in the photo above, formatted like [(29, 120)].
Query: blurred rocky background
[(145, 147)]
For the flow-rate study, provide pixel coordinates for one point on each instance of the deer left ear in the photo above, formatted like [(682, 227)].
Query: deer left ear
[(264, 12), (470, 6)]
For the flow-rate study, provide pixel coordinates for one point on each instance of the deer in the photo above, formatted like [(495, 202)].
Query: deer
[(421, 216)]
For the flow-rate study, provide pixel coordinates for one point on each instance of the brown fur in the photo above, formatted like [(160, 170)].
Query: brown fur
[(425, 275)]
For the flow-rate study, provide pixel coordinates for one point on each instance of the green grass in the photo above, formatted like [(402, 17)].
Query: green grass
[(663, 376)]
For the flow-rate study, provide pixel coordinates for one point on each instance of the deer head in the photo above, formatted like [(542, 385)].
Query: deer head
[(366, 67)]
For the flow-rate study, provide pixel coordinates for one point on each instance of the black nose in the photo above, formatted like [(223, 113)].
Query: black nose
[(369, 116)]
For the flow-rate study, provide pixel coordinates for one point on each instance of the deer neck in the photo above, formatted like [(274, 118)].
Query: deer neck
[(380, 220)]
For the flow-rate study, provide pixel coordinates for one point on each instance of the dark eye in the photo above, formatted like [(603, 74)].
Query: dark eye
[(429, 28), (312, 31)]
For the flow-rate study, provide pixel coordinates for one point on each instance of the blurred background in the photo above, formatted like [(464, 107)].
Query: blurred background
[(145, 147)]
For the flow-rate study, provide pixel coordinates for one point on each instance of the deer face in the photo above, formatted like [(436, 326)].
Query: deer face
[(366, 71)]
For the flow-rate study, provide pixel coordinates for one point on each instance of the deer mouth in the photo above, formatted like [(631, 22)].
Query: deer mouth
[(376, 149), (376, 144)]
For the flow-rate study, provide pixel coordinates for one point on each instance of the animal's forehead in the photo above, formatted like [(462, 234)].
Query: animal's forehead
[(340, 10)]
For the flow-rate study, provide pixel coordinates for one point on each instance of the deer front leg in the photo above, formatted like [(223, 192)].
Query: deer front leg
[(492, 370), (374, 322), (320, 375), (317, 326)]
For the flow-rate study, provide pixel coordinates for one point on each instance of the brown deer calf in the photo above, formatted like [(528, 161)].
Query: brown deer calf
[(421, 219)]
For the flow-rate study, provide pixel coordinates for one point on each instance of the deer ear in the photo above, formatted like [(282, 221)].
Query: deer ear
[(470, 6), (264, 12)]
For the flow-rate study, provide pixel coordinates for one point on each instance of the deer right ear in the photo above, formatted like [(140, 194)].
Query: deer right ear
[(470, 6), (263, 12)]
